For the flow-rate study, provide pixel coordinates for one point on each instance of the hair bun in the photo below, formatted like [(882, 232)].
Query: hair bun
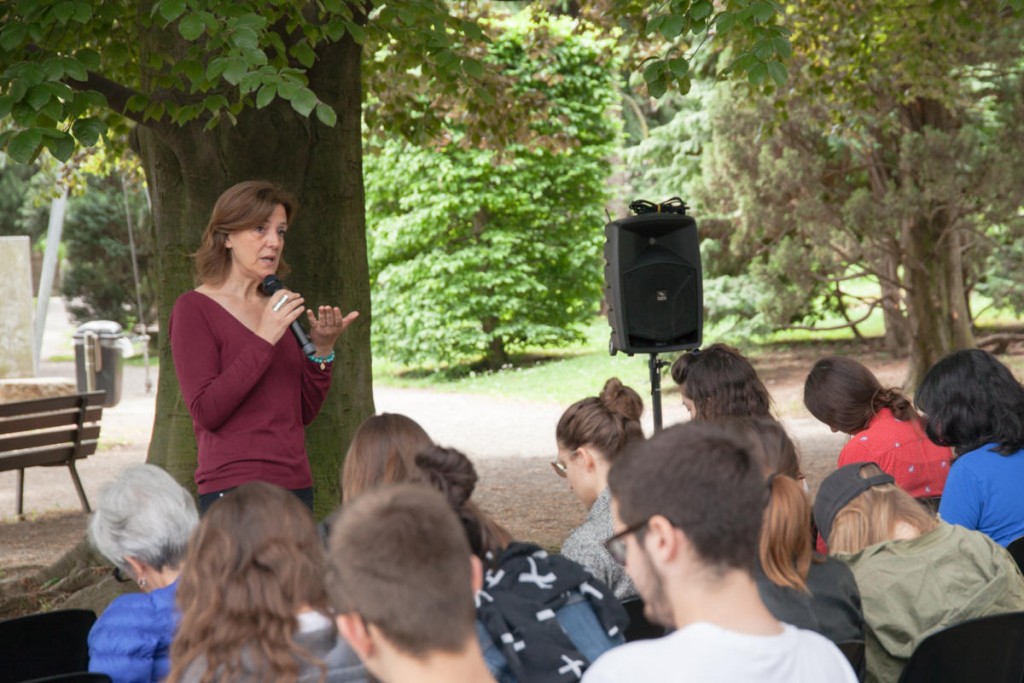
[(621, 400)]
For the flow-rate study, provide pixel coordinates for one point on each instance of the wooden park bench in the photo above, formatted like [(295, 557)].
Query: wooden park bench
[(48, 432)]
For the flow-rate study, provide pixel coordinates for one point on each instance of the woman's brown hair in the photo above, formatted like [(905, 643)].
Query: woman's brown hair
[(242, 206), (845, 395), (453, 474), (255, 560), (721, 383), (784, 547), (872, 516), (608, 422), (382, 451)]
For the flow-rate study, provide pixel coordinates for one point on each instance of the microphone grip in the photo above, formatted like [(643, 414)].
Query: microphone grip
[(308, 347)]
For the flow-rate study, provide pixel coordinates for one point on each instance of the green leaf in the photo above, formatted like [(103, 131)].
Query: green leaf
[(679, 66), (782, 47), (757, 73), (304, 53), (778, 72), (266, 95), (61, 147), (90, 59), (326, 115), (38, 96), (74, 69), (245, 38), (473, 67), (701, 9), (12, 36), (214, 103), (171, 9), (88, 130), (253, 22), (63, 11), (357, 32), (762, 10), (654, 24), (6, 102), (672, 26), (24, 146), (236, 70), (304, 101), (191, 27), (657, 88), (83, 12), (653, 70), (725, 21), (763, 50)]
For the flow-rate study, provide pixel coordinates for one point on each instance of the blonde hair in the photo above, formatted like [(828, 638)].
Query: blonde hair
[(872, 516)]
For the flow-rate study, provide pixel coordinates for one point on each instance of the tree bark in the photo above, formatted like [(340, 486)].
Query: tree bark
[(932, 243), (187, 168)]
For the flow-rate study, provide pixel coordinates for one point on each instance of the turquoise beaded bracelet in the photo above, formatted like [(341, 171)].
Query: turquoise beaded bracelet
[(323, 360)]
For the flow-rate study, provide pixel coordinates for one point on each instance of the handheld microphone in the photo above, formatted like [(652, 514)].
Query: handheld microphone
[(271, 285)]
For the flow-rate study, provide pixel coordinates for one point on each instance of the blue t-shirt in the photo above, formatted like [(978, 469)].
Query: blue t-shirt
[(985, 492)]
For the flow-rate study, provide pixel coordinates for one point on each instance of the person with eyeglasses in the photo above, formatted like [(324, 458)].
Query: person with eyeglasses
[(141, 524), (687, 507), (590, 435)]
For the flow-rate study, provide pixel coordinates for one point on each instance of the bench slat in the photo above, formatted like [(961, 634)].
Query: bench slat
[(63, 418), (19, 442), (48, 456), (41, 405)]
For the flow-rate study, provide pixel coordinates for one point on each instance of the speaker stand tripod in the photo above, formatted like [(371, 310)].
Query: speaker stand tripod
[(655, 365)]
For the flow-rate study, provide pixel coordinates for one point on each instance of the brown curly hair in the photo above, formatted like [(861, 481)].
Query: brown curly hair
[(255, 560), (721, 383)]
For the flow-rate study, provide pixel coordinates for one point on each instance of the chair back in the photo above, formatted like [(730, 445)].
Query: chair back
[(853, 650), (639, 628), (45, 644), (1016, 549), (989, 649)]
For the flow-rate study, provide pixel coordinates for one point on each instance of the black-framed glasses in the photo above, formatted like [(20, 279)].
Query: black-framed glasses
[(616, 545)]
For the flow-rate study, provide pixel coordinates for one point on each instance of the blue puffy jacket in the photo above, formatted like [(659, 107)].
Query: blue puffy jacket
[(131, 640)]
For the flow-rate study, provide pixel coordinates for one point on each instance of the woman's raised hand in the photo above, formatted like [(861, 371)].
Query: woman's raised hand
[(326, 326)]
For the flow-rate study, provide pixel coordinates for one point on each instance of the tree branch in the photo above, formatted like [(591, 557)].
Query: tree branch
[(117, 95)]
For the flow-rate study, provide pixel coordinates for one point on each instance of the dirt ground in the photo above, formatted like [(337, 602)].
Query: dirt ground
[(517, 484)]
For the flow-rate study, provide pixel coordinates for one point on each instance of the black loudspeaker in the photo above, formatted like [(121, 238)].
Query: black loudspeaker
[(653, 283)]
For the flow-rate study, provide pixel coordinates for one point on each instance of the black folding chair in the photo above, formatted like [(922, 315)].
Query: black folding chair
[(639, 628), (45, 644), (1016, 549), (989, 649), (80, 677)]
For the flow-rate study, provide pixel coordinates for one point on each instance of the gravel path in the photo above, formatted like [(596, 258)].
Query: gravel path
[(511, 442)]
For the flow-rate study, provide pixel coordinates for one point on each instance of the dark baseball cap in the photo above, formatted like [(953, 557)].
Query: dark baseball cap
[(838, 489)]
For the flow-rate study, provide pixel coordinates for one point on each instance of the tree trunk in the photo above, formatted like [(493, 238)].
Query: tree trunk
[(932, 243), (187, 168), (897, 327), (939, 322)]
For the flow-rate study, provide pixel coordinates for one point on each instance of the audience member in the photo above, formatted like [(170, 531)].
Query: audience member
[(687, 505), (381, 452), (976, 405), (916, 574), (252, 598), (401, 581), (142, 524), (718, 382), (797, 585), (590, 435), (884, 426), (541, 617)]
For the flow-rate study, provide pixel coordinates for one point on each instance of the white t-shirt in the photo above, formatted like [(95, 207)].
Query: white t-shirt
[(705, 653)]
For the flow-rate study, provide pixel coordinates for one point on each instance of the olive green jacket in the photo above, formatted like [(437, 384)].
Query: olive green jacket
[(910, 589)]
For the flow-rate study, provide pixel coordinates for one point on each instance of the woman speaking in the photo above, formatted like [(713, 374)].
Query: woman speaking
[(248, 385)]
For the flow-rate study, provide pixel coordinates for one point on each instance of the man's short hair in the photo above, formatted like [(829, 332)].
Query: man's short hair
[(704, 482), (399, 558)]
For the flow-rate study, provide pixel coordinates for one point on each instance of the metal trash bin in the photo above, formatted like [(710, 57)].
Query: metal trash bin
[(98, 359)]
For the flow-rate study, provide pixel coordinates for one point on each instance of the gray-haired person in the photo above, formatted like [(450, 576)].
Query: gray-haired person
[(142, 524)]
